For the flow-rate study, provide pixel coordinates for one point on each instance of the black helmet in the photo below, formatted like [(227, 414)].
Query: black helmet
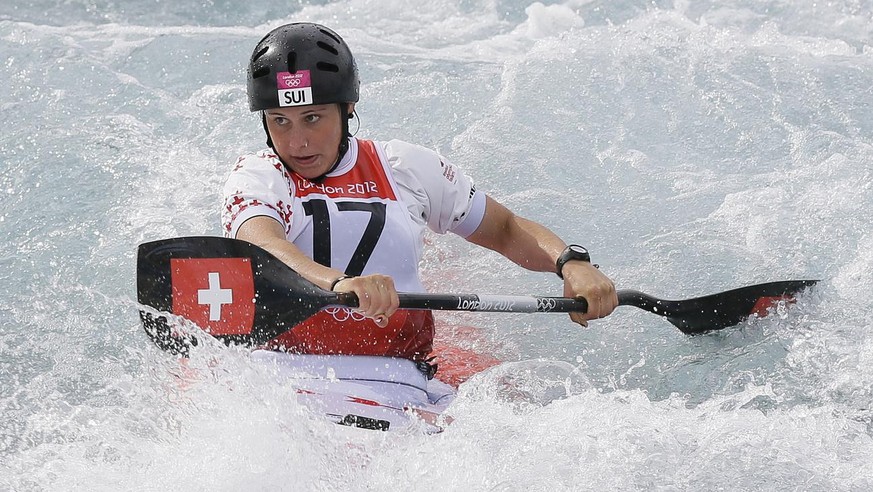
[(301, 64)]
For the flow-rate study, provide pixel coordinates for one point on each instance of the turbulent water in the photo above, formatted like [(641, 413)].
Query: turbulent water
[(694, 147)]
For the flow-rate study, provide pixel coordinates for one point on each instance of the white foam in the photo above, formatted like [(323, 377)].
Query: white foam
[(693, 148)]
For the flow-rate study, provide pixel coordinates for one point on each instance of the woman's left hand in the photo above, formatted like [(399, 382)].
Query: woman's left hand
[(582, 279), (377, 296)]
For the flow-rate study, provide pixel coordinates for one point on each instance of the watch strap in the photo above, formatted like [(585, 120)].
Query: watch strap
[(571, 253)]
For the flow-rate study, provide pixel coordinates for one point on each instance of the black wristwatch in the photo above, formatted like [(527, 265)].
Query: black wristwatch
[(571, 252)]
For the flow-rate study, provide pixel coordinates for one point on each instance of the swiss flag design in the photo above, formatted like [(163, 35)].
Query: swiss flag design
[(217, 294)]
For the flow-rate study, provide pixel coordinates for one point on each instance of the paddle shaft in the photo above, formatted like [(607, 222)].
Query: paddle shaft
[(691, 316), (482, 303)]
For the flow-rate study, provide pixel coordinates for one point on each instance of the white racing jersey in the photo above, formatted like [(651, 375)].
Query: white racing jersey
[(367, 216)]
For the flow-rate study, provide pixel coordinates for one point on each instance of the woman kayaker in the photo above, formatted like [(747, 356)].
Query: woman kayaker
[(349, 214)]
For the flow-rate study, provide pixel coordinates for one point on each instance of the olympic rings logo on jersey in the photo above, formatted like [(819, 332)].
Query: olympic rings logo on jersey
[(345, 314)]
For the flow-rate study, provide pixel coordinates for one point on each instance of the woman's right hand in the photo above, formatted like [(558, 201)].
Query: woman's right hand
[(377, 296)]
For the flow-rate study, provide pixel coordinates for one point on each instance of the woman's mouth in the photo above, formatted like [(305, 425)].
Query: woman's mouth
[(305, 161)]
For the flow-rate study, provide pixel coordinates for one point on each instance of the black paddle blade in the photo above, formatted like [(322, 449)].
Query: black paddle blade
[(233, 290), (717, 311)]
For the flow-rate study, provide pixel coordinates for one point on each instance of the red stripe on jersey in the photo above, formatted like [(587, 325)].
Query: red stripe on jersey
[(366, 179)]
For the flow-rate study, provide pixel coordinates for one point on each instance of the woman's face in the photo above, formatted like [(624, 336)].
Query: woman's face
[(307, 138)]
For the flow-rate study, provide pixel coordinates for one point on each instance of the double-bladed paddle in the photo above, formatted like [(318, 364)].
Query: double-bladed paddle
[(241, 294)]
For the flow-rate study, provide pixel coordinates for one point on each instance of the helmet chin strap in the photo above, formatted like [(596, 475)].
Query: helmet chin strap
[(341, 151), (267, 131)]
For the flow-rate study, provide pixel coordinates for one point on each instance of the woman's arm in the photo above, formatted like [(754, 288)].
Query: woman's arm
[(535, 247), (376, 293), (268, 234)]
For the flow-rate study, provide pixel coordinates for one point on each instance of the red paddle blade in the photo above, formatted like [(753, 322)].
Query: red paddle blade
[(231, 289), (717, 311)]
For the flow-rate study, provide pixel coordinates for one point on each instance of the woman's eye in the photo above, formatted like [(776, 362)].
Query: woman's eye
[(280, 121), (312, 118)]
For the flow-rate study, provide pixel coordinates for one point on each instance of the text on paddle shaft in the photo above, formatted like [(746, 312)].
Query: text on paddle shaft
[(485, 305)]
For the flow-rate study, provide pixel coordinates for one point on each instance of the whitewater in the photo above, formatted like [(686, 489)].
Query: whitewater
[(693, 147)]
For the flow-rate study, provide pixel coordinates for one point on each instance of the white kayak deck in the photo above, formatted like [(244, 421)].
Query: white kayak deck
[(384, 393)]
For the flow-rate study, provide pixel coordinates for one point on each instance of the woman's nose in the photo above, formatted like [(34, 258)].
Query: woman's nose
[(298, 140)]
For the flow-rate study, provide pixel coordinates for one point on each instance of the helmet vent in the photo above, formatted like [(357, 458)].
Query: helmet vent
[(327, 47), (260, 72), (292, 61), (331, 35), (260, 53), (327, 67)]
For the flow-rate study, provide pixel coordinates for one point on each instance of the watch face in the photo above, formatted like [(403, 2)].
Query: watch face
[(578, 249)]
